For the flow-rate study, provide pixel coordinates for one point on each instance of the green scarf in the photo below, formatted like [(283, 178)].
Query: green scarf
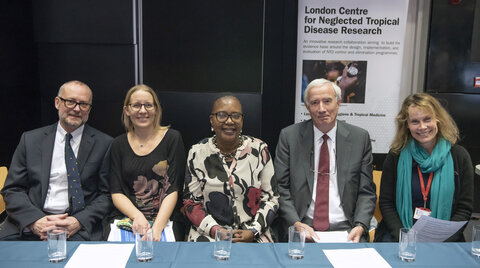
[(441, 192)]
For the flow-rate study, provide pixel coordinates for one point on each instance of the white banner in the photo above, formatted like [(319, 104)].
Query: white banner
[(360, 45)]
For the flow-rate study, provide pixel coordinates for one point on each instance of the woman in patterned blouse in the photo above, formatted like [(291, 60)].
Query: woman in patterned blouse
[(230, 180)]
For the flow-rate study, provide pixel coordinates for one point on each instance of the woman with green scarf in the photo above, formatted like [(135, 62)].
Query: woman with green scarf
[(425, 172)]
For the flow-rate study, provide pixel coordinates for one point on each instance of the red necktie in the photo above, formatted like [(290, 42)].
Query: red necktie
[(320, 214)]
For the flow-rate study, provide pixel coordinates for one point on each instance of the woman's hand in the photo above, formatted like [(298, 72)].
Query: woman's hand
[(242, 236), (140, 223), (157, 231)]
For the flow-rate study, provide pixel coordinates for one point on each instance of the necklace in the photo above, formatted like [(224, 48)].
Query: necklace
[(232, 154), (150, 138)]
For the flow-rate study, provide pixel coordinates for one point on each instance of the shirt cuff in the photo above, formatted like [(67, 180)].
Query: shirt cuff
[(365, 229)]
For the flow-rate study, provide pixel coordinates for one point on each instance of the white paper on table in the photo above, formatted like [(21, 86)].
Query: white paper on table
[(332, 237), (361, 257), (430, 229), (100, 255), (114, 234)]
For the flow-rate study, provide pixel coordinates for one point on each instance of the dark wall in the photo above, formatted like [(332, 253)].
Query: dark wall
[(449, 66), (280, 50), (248, 48), (450, 72), (193, 50), (91, 41), (202, 46), (54, 41), (19, 95)]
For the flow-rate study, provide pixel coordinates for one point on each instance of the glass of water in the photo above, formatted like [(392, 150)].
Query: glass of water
[(476, 240), (223, 243), (296, 242), (407, 245), (144, 244), (57, 244)]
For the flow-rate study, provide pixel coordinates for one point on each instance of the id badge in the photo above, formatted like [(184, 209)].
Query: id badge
[(421, 212)]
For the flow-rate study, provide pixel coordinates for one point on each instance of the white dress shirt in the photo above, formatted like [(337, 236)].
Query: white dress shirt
[(335, 210), (57, 194)]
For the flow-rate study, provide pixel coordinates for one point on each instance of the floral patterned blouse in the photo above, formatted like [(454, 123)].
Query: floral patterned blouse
[(242, 195), (147, 180)]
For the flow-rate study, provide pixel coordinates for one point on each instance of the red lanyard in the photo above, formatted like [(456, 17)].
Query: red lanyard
[(422, 184)]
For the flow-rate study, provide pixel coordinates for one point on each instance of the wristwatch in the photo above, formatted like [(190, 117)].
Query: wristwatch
[(255, 232)]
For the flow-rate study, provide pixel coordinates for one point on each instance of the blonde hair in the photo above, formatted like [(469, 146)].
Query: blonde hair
[(447, 128), (158, 108)]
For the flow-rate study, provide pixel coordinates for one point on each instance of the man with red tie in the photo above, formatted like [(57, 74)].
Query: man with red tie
[(324, 169)]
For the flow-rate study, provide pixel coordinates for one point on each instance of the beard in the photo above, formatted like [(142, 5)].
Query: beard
[(71, 122)]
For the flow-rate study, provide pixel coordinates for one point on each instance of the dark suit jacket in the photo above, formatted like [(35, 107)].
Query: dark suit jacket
[(27, 182), (294, 165), (462, 205)]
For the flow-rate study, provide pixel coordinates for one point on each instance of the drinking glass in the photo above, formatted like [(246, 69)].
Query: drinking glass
[(57, 244), (223, 243), (296, 242), (144, 244), (407, 245), (476, 240)]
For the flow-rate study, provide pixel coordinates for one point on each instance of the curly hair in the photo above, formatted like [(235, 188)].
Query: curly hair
[(447, 128)]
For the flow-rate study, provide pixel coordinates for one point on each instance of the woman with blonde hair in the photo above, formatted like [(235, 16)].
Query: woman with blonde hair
[(425, 172), (147, 164)]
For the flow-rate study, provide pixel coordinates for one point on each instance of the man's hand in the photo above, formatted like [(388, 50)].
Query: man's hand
[(309, 232), (71, 224), (241, 236), (42, 225), (355, 234)]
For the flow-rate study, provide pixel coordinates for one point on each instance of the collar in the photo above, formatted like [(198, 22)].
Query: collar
[(317, 134), (76, 134)]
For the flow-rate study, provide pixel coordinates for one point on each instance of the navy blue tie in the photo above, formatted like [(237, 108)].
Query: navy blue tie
[(75, 192)]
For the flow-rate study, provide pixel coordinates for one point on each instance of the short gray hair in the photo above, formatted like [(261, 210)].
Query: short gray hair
[(80, 83), (321, 82)]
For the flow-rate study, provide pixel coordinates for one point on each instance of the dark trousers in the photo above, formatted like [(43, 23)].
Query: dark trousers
[(339, 226), (34, 237)]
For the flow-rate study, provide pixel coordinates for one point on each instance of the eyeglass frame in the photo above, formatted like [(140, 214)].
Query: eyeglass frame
[(312, 165), (142, 105), (89, 105), (242, 115)]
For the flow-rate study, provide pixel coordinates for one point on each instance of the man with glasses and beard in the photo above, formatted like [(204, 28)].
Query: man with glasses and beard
[(58, 175)]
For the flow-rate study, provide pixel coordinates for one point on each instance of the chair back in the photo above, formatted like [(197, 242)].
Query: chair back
[(377, 177), (3, 176)]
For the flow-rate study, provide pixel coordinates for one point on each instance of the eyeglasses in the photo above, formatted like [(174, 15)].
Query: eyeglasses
[(137, 106), (223, 116), (71, 104), (333, 169)]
